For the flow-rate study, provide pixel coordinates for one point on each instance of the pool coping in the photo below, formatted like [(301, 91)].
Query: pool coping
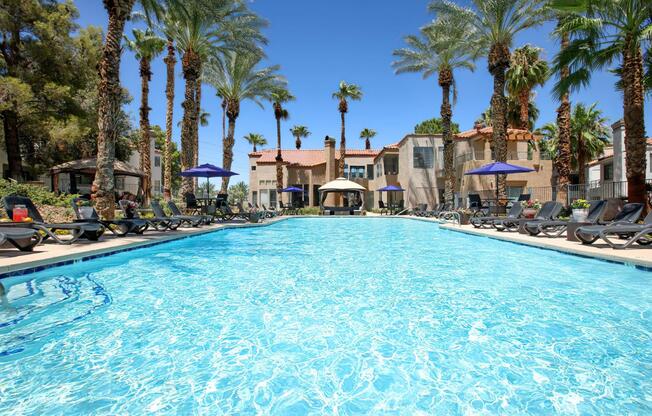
[(52, 260), (602, 252), (57, 260)]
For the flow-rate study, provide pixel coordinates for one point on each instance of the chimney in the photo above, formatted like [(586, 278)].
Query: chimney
[(329, 153)]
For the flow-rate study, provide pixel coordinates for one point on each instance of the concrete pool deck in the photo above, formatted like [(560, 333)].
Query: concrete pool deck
[(13, 261), (635, 255)]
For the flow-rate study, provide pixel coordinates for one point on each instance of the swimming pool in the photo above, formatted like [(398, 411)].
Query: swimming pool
[(329, 316)]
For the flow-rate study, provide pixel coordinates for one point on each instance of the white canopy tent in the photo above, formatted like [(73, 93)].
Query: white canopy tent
[(342, 186)]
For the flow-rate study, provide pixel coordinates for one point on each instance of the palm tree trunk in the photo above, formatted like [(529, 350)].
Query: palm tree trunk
[(524, 116), (170, 61), (145, 141), (563, 159), (581, 159), (12, 144), (297, 143), (367, 144), (227, 154), (498, 64), (279, 159), (196, 129), (109, 100), (340, 170), (635, 144), (445, 80), (223, 120), (232, 112), (190, 65)]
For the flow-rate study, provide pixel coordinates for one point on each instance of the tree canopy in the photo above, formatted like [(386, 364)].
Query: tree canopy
[(434, 126)]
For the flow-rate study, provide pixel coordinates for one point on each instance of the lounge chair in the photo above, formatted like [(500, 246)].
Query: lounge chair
[(160, 214), (89, 230), (158, 223), (23, 238), (555, 228), (246, 214), (440, 209), (193, 220), (488, 221), (192, 207), (549, 211), (627, 216), (633, 233), (271, 211), (476, 204), (118, 227)]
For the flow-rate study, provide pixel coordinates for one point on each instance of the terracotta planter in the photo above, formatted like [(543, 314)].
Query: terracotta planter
[(464, 218), (529, 212)]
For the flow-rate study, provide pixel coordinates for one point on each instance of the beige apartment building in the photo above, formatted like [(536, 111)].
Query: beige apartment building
[(415, 163)]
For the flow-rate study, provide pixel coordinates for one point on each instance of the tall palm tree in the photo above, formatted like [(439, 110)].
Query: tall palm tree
[(344, 93), (110, 97), (496, 23), (526, 71), (279, 97), (170, 61), (447, 44), (146, 46), (203, 31), (608, 32), (236, 78), (255, 139), (299, 132), (367, 135), (514, 113), (589, 136)]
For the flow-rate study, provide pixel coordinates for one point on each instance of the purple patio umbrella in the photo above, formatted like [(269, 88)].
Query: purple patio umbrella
[(498, 168), (292, 189), (207, 171), (391, 188)]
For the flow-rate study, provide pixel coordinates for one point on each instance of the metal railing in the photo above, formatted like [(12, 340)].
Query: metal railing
[(592, 191)]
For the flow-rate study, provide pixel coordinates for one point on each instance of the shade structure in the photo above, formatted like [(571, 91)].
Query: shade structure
[(341, 185), (207, 171), (498, 168), (292, 189), (90, 166), (391, 188)]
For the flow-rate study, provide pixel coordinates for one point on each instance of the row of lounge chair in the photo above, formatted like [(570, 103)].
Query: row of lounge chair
[(88, 224), (547, 223)]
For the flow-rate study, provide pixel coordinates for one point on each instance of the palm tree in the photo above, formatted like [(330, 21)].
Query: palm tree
[(367, 135), (526, 71), (170, 61), (278, 97), (110, 97), (496, 23), (206, 30), (299, 132), (345, 92), (237, 78), (589, 135), (146, 46), (255, 139), (610, 31), (447, 44), (514, 113)]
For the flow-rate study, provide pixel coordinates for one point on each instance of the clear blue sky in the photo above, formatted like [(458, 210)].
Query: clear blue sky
[(319, 43)]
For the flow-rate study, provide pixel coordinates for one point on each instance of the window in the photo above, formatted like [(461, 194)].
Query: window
[(356, 172), (157, 161), (423, 158), (649, 162), (391, 165), (609, 172), (346, 170), (120, 182), (157, 187), (370, 171), (272, 197), (253, 167), (254, 197)]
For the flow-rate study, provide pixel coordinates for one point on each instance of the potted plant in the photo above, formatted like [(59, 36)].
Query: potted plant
[(530, 208), (580, 210)]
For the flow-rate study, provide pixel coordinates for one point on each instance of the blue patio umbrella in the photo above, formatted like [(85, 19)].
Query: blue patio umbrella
[(498, 168), (391, 188), (207, 171), (292, 189)]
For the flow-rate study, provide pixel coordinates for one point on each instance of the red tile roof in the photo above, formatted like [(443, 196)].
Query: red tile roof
[(308, 157), (512, 134), (649, 140)]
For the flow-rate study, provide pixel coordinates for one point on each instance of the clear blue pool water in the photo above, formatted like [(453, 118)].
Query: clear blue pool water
[(329, 316)]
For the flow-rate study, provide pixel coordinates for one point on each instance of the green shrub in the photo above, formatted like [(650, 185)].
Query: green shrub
[(38, 194)]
